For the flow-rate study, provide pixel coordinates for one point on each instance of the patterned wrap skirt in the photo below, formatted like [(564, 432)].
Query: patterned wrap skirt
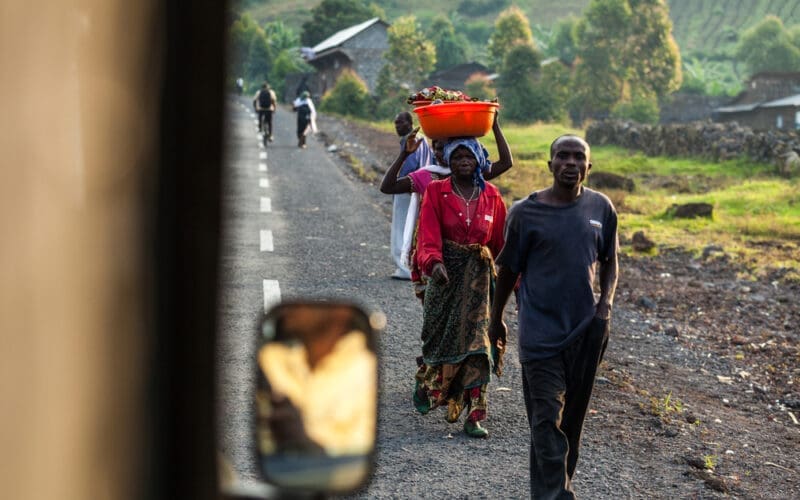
[(457, 356)]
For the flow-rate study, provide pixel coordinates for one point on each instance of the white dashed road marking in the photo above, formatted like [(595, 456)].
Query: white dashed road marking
[(263, 182), (272, 294), (266, 241), (266, 204)]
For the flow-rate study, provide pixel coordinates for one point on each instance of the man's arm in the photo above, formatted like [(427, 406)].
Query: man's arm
[(505, 161), (390, 183), (504, 285), (608, 275)]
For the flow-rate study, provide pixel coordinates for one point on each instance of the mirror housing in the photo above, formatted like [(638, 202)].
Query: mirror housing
[(316, 398)]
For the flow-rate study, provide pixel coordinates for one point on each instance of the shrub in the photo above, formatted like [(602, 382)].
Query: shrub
[(479, 86), (348, 97), (638, 109)]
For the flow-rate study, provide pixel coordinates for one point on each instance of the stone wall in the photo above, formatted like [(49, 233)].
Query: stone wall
[(716, 141)]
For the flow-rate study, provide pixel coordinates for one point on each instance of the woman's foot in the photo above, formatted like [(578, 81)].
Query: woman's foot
[(474, 429), (421, 400), (453, 411)]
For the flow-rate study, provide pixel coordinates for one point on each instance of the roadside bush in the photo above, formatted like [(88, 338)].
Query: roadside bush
[(348, 97), (479, 86), (638, 109)]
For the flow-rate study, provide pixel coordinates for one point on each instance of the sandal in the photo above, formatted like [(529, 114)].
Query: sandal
[(474, 429), (423, 405)]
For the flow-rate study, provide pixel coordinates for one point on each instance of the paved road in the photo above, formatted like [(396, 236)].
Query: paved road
[(328, 236)]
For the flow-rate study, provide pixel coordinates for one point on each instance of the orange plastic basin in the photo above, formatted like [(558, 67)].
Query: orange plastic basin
[(454, 119)]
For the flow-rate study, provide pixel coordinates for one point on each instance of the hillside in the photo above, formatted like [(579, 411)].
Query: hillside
[(702, 27)]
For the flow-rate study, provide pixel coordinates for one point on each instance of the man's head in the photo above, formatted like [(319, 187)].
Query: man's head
[(438, 151), (403, 124), (570, 160), (265, 85)]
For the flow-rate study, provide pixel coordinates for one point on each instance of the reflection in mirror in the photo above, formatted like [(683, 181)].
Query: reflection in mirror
[(316, 396)]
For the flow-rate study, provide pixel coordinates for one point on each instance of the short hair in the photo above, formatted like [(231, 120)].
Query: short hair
[(406, 115), (571, 136)]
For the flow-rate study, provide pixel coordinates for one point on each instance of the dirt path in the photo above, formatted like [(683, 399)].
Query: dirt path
[(698, 396)]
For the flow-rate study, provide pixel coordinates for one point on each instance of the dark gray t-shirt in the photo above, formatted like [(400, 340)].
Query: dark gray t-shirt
[(556, 248)]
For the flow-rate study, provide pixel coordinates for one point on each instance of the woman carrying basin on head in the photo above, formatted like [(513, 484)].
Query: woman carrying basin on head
[(460, 231), (417, 181)]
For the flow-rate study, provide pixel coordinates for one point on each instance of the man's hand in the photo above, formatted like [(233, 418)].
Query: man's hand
[(498, 333), (412, 143), (603, 311), (439, 274)]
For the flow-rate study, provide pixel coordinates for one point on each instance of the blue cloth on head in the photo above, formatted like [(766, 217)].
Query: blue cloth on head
[(478, 151)]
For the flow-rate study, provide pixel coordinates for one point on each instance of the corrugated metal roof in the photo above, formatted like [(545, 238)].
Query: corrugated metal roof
[(792, 100), (738, 109), (342, 36)]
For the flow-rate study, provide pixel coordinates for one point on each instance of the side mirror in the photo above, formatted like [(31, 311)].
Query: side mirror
[(317, 396)]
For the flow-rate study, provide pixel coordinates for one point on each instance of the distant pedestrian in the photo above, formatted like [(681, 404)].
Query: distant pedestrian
[(556, 240), (265, 103), (306, 117), (409, 162), (239, 86)]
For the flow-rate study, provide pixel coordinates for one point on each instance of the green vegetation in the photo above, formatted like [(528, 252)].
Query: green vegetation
[(710, 461), (348, 97), (665, 407), (706, 32), (756, 213)]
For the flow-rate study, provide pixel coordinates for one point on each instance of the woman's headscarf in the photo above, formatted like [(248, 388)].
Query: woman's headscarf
[(477, 150)]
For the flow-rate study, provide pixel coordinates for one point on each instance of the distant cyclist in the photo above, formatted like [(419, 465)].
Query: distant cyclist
[(264, 103)]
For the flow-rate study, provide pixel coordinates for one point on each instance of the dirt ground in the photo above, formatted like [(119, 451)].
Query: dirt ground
[(706, 383)]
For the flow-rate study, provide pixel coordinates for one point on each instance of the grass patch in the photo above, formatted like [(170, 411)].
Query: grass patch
[(756, 213), (666, 407), (756, 216)]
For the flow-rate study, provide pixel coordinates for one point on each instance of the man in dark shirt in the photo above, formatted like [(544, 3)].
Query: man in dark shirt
[(555, 241)]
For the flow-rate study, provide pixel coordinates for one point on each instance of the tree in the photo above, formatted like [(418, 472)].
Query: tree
[(653, 55), (563, 40), (768, 46), (259, 58), (280, 36), (510, 29), (451, 47), (553, 87), (284, 44), (286, 62), (411, 55), (242, 33), (409, 59), (625, 51), (389, 96), (516, 85), (331, 16), (599, 74)]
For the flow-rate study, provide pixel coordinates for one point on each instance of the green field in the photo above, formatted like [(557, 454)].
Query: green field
[(756, 217)]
